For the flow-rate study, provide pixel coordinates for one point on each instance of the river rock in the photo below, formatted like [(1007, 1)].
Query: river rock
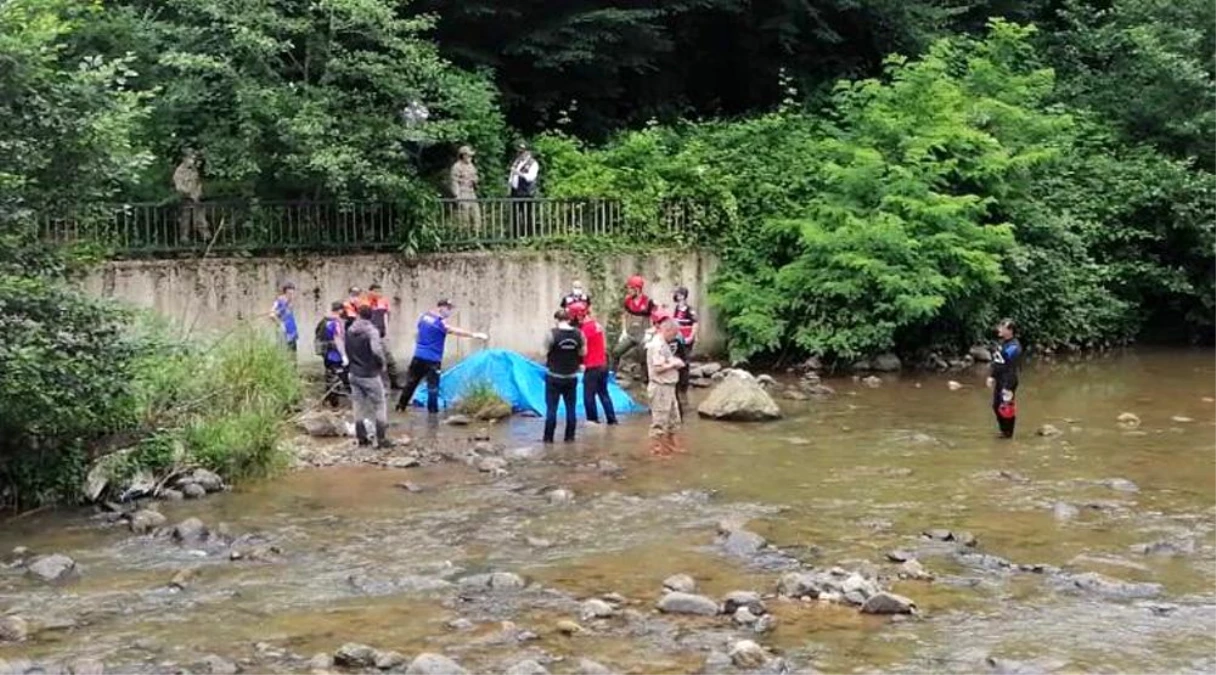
[(210, 480), (320, 663), (886, 363), (793, 394), (171, 495), (182, 578), (491, 464), (1120, 485), (528, 667), (218, 665), (1128, 420), (193, 490), (560, 496), (14, 629), (737, 599), (524, 454), (1182, 419), (899, 555), (764, 624), (1100, 584), (747, 655), (53, 568), (766, 381), (322, 424), (1166, 548), (980, 354), (704, 369), (1064, 511), (596, 609), (1049, 431), (938, 534), (873, 381), (589, 667), (681, 583), (387, 660), (568, 627), (913, 570), (953, 385), (739, 397), (87, 667), (145, 520), (460, 624), (798, 585), (355, 655), (190, 530), (743, 543), (455, 421), (434, 664), (743, 616), (687, 603), (888, 603), (494, 581)]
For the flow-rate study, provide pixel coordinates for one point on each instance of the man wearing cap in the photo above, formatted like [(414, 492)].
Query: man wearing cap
[(433, 332), (463, 185), (284, 314), (521, 180)]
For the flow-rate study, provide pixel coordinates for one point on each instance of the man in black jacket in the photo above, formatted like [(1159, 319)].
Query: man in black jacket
[(366, 355)]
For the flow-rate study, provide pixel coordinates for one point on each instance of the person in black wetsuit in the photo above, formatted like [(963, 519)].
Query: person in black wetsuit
[(1006, 362)]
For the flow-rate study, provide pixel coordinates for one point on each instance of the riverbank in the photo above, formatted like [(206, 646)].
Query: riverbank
[(391, 557)]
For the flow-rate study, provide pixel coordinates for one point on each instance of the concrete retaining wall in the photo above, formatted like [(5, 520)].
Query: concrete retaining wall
[(510, 295)]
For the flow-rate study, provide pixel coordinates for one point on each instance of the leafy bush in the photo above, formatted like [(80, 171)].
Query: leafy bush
[(480, 400)]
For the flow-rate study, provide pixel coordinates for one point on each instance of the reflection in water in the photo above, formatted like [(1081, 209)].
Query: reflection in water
[(841, 481)]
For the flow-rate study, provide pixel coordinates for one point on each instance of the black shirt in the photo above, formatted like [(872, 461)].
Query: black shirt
[(565, 352)]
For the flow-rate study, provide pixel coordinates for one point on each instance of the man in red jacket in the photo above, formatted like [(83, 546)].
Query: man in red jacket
[(595, 364)]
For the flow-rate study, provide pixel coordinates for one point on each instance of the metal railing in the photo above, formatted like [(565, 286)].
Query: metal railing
[(152, 229)]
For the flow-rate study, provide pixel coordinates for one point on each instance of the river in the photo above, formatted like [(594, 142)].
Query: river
[(837, 482)]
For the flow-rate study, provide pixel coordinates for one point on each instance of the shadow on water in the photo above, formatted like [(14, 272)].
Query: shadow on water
[(840, 481)]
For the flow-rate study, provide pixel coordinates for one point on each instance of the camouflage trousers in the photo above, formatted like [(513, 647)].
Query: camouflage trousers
[(664, 410)]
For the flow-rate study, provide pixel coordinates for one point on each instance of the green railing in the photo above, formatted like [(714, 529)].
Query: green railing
[(131, 230)]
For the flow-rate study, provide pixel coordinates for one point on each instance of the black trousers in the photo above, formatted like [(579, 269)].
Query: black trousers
[(1005, 425), (595, 385), (563, 389), (419, 370), (336, 384)]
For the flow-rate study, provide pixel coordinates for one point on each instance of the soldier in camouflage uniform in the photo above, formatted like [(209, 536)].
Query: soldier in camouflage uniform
[(464, 189), (189, 184)]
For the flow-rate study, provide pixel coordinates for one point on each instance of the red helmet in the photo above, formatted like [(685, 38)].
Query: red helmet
[(635, 282), (659, 315), (577, 310)]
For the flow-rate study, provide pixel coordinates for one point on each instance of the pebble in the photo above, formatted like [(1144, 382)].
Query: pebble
[(434, 664), (596, 609), (1128, 420), (681, 583), (747, 655), (953, 385), (1049, 431), (218, 665), (568, 627)]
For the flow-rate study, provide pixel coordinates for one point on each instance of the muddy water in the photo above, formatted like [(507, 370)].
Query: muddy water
[(837, 482)]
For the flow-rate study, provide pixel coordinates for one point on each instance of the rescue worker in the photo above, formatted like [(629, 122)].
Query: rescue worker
[(350, 308), (433, 332), (284, 314), (635, 317), (380, 311), (564, 352), (664, 374), (367, 394), (331, 346), (686, 321), (595, 364), (1003, 380), (576, 294)]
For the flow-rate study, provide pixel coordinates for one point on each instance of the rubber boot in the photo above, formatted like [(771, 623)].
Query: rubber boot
[(382, 439), (361, 433)]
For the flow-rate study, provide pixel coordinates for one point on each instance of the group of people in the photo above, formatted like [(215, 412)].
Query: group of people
[(664, 339), (522, 177)]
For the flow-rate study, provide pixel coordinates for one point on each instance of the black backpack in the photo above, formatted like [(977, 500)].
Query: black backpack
[(321, 343)]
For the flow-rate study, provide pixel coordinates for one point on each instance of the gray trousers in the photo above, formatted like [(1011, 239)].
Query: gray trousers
[(368, 399)]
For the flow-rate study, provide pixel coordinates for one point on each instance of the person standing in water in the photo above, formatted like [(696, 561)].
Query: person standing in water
[(1003, 380), (686, 320), (433, 332), (595, 364), (635, 317), (664, 370), (564, 349)]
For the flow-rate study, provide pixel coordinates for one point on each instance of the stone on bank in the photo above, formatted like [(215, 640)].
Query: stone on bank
[(739, 397)]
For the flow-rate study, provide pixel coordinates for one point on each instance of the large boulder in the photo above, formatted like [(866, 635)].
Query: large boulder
[(739, 397), (886, 363), (52, 568), (687, 603)]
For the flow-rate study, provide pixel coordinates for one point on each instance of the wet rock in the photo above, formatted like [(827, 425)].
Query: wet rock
[(524, 454), (739, 397), (749, 599), (1013, 476), (14, 629), (983, 561), (888, 603), (743, 616), (412, 488), (716, 662), (387, 660), (218, 665), (687, 603), (1128, 420), (528, 667), (792, 394), (1161, 608), (1049, 431), (434, 664), (886, 363), (491, 464), (560, 496), (1009, 666), (460, 624), (568, 627), (747, 655), (705, 369), (589, 667), (190, 530), (857, 589), (193, 490), (764, 624), (1166, 547), (537, 542), (494, 581), (965, 538), (87, 667), (913, 570), (145, 520), (798, 585), (938, 534), (766, 381), (210, 480), (816, 390), (953, 385), (596, 609), (406, 462), (980, 354), (53, 568), (899, 555), (1098, 584), (171, 495), (1181, 419), (1120, 485), (455, 421), (182, 579), (1064, 511), (320, 663), (743, 543), (873, 381), (355, 655), (321, 424), (680, 583)]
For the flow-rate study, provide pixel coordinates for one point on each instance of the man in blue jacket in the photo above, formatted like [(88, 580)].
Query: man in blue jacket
[(433, 332)]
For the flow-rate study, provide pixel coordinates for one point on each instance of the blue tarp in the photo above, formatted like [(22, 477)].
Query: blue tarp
[(517, 380)]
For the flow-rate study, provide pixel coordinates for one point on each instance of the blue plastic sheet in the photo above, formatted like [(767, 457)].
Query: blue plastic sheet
[(518, 380)]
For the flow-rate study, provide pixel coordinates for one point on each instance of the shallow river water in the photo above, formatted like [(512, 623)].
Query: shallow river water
[(837, 482)]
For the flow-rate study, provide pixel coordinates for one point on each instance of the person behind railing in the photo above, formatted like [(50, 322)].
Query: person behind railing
[(463, 185), (521, 180), (189, 184), (283, 314)]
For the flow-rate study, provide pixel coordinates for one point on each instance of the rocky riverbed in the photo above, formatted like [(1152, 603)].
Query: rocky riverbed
[(878, 528)]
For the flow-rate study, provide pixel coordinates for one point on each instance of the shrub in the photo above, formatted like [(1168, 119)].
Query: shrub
[(480, 400)]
